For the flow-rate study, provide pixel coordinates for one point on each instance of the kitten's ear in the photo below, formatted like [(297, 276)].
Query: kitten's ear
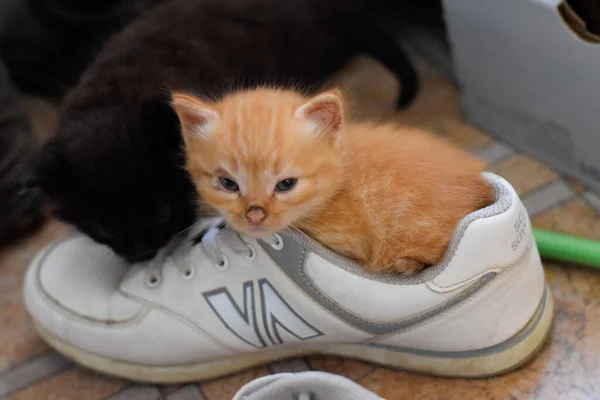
[(324, 111), (196, 116), (51, 171)]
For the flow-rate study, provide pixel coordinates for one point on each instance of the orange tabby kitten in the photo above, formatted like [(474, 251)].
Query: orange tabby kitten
[(388, 197)]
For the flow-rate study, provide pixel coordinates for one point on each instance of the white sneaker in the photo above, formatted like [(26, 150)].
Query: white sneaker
[(220, 303), (304, 386)]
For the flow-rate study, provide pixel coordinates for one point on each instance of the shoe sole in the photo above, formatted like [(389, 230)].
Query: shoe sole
[(495, 360)]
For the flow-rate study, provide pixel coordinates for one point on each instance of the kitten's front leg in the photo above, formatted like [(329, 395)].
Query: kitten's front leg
[(407, 266)]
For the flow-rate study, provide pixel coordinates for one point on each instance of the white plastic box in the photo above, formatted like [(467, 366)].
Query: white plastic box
[(530, 74)]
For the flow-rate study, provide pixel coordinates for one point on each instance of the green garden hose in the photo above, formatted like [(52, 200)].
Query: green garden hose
[(568, 248)]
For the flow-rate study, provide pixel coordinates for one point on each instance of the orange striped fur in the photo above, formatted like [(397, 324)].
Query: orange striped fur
[(386, 196)]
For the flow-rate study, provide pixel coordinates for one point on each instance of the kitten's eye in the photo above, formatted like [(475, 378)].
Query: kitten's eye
[(286, 185), (228, 184)]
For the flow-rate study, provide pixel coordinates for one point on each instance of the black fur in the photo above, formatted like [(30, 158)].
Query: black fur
[(115, 168), (20, 211), (47, 44)]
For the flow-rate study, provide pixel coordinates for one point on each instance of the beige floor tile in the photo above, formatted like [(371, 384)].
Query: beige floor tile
[(370, 90), (391, 384), (575, 218), (567, 367), (524, 173), (437, 109), (577, 186), (225, 388), (459, 134), (573, 365), (19, 340), (75, 384)]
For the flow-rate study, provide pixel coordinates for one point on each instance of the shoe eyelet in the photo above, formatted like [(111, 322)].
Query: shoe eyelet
[(152, 281), (252, 255), (189, 273), (223, 263), (278, 244)]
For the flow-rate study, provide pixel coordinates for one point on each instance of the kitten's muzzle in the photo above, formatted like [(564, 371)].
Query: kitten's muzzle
[(256, 215)]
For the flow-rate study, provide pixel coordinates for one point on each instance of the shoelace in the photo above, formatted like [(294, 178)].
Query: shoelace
[(211, 239)]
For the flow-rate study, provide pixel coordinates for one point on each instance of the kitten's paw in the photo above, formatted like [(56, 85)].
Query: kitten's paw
[(408, 266)]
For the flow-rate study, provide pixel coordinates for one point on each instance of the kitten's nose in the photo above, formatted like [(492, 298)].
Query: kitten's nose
[(256, 215)]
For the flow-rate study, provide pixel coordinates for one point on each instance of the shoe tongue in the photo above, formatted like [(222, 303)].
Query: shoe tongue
[(232, 239), (220, 235)]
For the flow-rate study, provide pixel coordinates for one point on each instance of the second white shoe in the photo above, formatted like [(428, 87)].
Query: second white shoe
[(221, 302), (304, 386)]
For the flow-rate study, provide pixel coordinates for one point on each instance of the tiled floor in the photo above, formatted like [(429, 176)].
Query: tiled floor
[(568, 367)]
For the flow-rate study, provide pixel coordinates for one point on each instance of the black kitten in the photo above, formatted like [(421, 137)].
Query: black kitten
[(122, 187), (115, 168)]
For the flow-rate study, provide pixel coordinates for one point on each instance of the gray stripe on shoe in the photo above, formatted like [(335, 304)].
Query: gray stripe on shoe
[(31, 371), (498, 348), (292, 261), (291, 365), (137, 392), (547, 197), (493, 152), (189, 392)]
